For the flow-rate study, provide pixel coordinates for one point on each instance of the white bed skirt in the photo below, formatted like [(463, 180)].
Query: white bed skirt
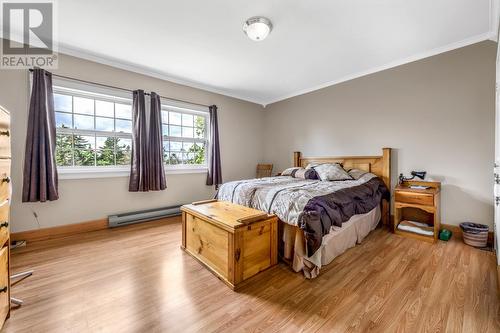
[(333, 244)]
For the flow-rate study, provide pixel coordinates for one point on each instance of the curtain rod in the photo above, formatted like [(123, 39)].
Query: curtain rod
[(120, 88)]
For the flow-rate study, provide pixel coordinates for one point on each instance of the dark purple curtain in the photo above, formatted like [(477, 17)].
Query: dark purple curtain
[(214, 176), (40, 182), (138, 167), (147, 172), (156, 169)]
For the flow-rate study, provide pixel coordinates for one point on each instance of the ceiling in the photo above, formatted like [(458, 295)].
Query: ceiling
[(313, 43)]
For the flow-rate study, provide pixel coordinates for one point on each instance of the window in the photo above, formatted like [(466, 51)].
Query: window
[(184, 136), (94, 132)]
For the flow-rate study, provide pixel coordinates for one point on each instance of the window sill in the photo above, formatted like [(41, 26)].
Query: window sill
[(88, 173)]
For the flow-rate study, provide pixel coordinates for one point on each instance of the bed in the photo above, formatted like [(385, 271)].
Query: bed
[(319, 220)]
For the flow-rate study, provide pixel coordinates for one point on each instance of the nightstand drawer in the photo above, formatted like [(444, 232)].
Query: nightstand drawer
[(415, 198)]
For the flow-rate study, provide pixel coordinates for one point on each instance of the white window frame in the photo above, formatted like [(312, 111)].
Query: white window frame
[(115, 95), (167, 105)]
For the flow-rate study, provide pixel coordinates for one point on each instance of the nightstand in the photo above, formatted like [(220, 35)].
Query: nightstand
[(418, 205)]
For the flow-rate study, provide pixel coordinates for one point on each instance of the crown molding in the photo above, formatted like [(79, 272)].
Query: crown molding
[(430, 53), (116, 63), (109, 61), (492, 34)]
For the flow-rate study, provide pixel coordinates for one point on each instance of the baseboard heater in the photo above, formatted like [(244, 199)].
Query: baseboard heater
[(143, 216)]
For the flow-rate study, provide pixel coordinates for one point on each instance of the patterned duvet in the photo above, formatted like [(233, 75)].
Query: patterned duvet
[(312, 205)]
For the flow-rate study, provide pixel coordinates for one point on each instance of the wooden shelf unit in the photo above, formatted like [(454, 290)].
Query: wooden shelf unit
[(421, 205)]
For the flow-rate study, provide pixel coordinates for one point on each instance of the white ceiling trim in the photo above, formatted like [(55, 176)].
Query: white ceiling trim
[(110, 61), (150, 72), (450, 47), (120, 64), (226, 90)]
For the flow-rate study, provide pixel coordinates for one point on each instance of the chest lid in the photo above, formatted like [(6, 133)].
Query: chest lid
[(225, 214)]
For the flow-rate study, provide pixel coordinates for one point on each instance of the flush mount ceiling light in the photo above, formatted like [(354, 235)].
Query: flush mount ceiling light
[(257, 28)]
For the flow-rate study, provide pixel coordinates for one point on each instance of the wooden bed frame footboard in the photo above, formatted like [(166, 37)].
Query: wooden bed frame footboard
[(378, 165)]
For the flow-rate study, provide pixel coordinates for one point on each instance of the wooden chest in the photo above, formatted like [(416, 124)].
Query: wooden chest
[(232, 241)]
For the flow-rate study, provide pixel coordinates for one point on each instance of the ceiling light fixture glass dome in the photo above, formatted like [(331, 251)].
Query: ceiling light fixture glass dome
[(257, 28)]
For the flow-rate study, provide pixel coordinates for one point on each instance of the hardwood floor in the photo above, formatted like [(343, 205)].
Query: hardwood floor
[(137, 279)]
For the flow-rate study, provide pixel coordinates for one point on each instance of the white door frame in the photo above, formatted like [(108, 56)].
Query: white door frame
[(496, 224)]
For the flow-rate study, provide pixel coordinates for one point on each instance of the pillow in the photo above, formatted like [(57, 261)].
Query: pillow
[(356, 173), (329, 171), (290, 171), (315, 164), (306, 174)]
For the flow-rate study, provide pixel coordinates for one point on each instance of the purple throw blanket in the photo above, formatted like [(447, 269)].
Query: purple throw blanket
[(333, 209)]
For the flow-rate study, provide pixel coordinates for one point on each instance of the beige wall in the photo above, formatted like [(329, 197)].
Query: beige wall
[(437, 113), (81, 200)]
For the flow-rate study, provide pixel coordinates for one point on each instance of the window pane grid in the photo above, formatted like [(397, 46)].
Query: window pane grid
[(184, 137), (81, 122), (94, 131)]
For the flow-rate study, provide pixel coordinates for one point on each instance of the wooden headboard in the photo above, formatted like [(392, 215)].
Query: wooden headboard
[(378, 165)]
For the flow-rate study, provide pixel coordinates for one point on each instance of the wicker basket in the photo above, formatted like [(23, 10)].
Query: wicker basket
[(474, 234)]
